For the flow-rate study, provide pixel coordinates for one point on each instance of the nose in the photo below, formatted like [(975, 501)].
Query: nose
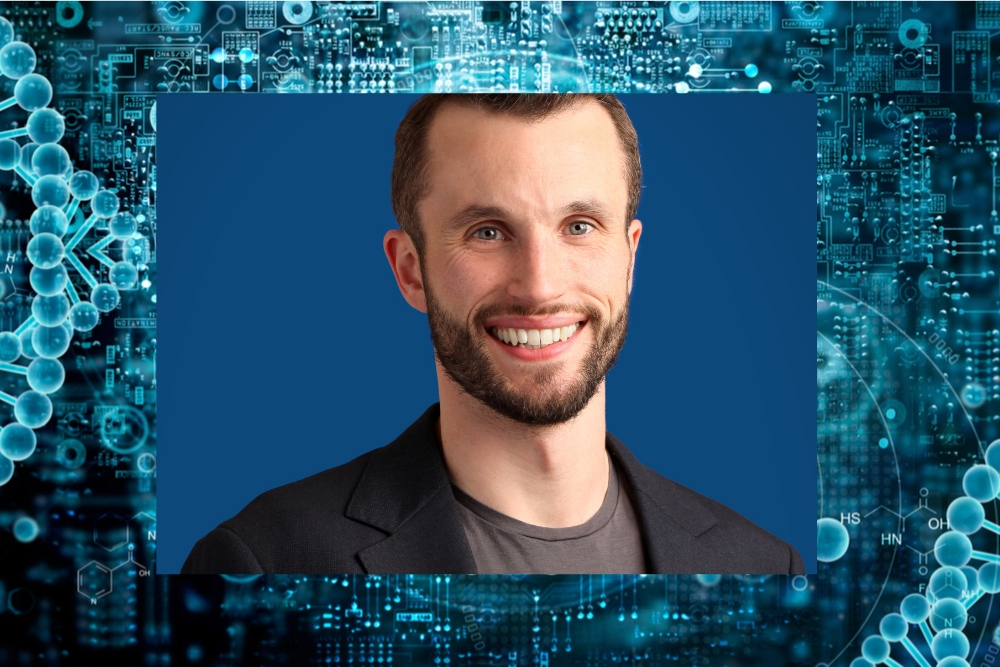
[(537, 270)]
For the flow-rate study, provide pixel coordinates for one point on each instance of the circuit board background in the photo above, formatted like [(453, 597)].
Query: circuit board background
[(908, 322)]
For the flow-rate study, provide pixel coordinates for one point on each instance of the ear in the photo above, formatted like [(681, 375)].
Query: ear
[(405, 263), (634, 232)]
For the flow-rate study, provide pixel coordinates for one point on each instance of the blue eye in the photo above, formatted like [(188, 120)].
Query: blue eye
[(579, 228), (487, 233)]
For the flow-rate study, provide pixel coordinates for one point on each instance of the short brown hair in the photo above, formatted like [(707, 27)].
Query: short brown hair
[(409, 166)]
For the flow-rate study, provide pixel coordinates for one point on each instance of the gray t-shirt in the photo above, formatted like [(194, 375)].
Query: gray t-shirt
[(610, 542)]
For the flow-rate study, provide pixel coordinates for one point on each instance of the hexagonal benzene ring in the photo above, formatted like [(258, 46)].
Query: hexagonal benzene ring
[(110, 531), (142, 529), (94, 581)]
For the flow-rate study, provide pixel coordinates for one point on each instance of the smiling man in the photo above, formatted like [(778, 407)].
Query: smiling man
[(518, 238)]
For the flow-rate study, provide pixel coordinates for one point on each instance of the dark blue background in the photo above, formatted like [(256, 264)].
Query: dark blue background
[(284, 346)]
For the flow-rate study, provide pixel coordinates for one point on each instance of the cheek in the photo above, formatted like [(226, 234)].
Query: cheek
[(463, 278)]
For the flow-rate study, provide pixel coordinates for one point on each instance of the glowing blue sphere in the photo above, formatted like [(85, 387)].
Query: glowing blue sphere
[(33, 92), (893, 627), (948, 613), (16, 60), (51, 160), (25, 529), (17, 442), (708, 579), (45, 250), (123, 275), (860, 662), (84, 316), (10, 154), (953, 661), (83, 185), (972, 577), (104, 297), (27, 151), (104, 204), (46, 126), (915, 608), (49, 282), (993, 455), (981, 482), (966, 515), (949, 643), (33, 409), (953, 548), (875, 649), (49, 219), (947, 582), (50, 342), (50, 310), (6, 469), (6, 32), (123, 225), (10, 346), (50, 189), (27, 349), (832, 540), (46, 375), (989, 578)]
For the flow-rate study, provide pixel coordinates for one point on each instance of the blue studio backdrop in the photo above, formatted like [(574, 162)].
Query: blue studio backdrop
[(284, 346)]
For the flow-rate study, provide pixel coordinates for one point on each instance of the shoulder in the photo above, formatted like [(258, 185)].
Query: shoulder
[(734, 543), (688, 532), (298, 527)]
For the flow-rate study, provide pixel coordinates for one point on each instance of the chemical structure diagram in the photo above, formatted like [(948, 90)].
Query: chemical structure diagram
[(933, 519), (112, 532)]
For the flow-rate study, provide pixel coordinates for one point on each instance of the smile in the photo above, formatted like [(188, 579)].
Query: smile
[(533, 339)]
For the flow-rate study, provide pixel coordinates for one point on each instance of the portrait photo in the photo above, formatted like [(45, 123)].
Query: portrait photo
[(486, 334)]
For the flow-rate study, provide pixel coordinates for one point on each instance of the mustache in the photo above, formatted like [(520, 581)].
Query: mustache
[(521, 310)]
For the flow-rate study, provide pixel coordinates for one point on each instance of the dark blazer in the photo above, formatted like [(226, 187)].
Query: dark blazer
[(392, 510)]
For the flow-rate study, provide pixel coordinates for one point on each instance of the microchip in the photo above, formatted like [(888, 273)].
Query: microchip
[(493, 13)]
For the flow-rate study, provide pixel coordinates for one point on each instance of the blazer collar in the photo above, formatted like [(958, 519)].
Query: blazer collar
[(670, 518), (405, 492)]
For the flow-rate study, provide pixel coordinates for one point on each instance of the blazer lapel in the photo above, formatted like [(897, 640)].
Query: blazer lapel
[(670, 522), (405, 491)]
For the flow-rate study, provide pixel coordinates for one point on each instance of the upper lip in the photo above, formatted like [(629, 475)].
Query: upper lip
[(548, 322)]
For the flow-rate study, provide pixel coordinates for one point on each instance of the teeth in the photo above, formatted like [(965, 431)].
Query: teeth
[(534, 339)]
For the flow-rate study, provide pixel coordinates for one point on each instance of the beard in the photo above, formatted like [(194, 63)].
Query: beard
[(541, 399)]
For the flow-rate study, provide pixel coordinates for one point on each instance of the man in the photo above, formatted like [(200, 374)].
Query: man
[(518, 239)]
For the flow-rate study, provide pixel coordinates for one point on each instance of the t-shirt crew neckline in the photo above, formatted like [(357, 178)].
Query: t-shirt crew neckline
[(512, 525)]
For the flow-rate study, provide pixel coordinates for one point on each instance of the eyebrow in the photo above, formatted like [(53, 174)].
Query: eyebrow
[(591, 207), (476, 212)]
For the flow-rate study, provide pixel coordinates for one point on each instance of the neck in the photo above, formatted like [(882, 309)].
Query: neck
[(553, 476)]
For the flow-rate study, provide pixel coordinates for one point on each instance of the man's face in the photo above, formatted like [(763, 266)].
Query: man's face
[(527, 266)]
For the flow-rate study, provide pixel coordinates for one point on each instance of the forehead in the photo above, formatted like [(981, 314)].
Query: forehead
[(477, 157)]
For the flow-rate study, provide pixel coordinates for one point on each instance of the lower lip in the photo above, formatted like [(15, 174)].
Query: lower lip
[(542, 353)]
